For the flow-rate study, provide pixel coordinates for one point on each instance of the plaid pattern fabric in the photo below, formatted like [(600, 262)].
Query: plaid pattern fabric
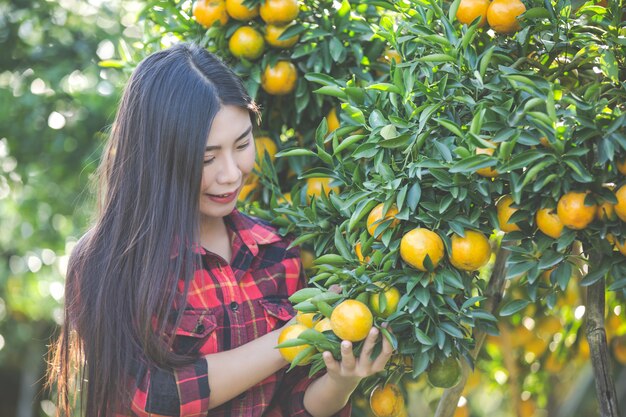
[(230, 305)]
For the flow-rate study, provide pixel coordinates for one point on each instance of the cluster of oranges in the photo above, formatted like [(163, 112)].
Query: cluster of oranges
[(249, 40), (500, 14), (571, 212)]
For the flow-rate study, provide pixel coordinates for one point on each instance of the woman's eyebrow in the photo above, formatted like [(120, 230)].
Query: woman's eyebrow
[(242, 136)]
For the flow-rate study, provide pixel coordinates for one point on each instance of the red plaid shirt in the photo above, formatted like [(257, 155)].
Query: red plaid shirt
[(229, 305)]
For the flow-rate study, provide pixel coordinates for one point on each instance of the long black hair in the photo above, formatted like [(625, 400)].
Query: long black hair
[(123, 274)]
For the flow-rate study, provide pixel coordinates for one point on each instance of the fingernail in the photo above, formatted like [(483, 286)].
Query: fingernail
[(345, 344), (374, 331)]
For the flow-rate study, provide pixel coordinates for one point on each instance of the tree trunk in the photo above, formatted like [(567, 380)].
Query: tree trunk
[(596, 336), (450, 398)]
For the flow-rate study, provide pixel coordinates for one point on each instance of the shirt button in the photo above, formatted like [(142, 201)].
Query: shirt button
[(234, 306)]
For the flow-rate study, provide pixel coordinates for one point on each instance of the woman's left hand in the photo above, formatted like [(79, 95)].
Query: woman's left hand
[(352, 368)]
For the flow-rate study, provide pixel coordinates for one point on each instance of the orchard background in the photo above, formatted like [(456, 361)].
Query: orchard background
[(379, 118)]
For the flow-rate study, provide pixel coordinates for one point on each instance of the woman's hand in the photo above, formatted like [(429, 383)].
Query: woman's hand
[(353, 369)]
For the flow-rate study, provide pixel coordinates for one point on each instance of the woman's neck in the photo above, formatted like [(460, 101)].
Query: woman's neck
[(214, 237)]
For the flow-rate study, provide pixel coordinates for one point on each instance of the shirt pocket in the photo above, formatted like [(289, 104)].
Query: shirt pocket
[(197, 333), (277, 311)]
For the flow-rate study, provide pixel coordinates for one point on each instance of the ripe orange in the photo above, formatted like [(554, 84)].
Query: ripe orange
[(418, 243), (488, 172), (351, 320), (207, 12), (249, 188), (246, 43), (505, 211), (527, 408), (390, 55), (332, 120), (359, 253), (445, 373), (392, 298), (621, 165), (470, 9), (273, 32), (573, 212), (620, 207), (307, 319), (317, 186), (237, 10), (288, 333), (323, 325), (461, 411), (279, 12), (280, 79), (375, 218), (386, 401), (549, 223), (264, 144), (502, 15), (621, 247), (471, 252), (606, 211)]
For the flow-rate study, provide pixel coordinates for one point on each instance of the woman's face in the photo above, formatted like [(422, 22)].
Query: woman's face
[(228, 160)]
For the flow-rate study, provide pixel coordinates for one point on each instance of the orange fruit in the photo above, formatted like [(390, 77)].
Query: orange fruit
[(332, 120), (621, 247), (505, 211), (273, 32), (471, 252), (359, 253), (526, 408), (323, 325), (264, 144), (207, 12), (279, 12), (307, 257), (289, 333), (573, 212), (351, 320), (549, 223), (618, 346), (307, 319), (502, 15), (392, 298), (470, 9), (445, 373), (606, 211), (279, 79), (375, 218), (390, 55), (249, 188), (620, 207), (621, 165), (237, 10), (461, 411), (488, 172), (418, 243), (246, 43), (317, 186), (386, 401)]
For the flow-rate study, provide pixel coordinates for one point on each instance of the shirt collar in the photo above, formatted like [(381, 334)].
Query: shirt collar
[(251, 231)]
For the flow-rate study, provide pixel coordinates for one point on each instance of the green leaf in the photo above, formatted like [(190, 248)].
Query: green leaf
[(513, 307), (332, 90), (295, 152)]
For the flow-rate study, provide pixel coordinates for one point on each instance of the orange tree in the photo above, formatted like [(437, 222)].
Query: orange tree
[(540, 87)]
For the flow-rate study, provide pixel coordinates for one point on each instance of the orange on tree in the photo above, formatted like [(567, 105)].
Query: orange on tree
[(238, 11), (273, 32), (606, 211), (207, 12), (351, 320), (620, 207), (246, 43), (445, 373), (316, 186), (249, 188), (502, 15), (264, 144), (375, 218), (307, 257), (386, 57), (289, 333), (488, 172), (279, 12), (549, 223), (359, 253), (307, 319), (526, 408), (386, 401), (621, 165), (470, 252), (392, 298), (505, 211), (618, 346), (461, 411), (332, 120), (471, 9), (323, 325), (573, 212), (621, 247), (279, 79), (418, 243)]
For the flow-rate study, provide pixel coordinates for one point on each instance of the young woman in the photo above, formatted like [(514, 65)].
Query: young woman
[(174, 299)]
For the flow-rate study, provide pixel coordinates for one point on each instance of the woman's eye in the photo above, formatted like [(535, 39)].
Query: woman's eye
[(208, 161), (244, 146)]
